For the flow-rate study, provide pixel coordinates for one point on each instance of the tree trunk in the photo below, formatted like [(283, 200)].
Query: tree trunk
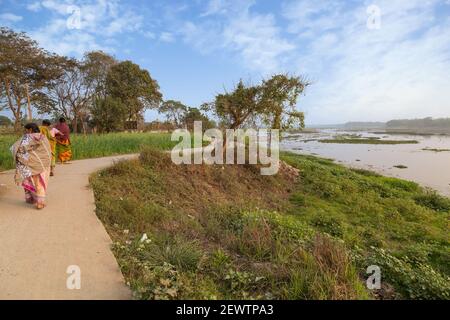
[(16, 113), (30, 113), (84, 127), (75, 124)]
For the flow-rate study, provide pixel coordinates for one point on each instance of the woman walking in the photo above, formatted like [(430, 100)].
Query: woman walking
[(32, 154), (50, 133), (63, 145)]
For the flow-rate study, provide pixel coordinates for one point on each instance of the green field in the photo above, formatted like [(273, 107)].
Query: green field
[(226, 232), (94, 146)]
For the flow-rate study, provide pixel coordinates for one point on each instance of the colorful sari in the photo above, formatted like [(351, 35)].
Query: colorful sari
[(52, 140), (32, 154), (63, 145), (63, 150)]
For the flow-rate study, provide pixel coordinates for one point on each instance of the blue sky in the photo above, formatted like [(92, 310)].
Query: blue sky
[(368, 60)]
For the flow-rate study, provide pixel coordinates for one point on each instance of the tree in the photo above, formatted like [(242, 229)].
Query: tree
[(134, 88), (24, 70), (70, 95), (279, 101), (273, 101), (194, 114), (97, 66), (235, 108), (175, 111), (108, 114), (78, 88)]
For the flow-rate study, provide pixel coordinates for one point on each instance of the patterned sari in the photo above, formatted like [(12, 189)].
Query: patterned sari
[(32, 154)]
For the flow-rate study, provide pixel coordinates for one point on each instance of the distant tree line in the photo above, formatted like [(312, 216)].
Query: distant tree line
[(98, 91), (443, 123)]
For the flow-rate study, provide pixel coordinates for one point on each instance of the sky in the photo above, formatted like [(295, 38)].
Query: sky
[(367, 60)]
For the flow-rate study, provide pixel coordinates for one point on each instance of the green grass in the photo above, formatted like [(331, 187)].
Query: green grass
[(226, 232), (367, 141), (94, 146), (6, 141)]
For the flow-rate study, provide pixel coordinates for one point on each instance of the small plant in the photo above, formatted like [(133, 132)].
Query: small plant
[(242, 283), (220, 260)]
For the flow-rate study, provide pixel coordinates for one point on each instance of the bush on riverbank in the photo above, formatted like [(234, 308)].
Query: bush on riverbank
[(228, 232)]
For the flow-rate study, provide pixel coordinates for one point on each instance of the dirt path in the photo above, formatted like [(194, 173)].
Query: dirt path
[(37, 247)]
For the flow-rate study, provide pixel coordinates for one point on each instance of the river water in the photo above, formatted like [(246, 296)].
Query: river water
[(428, 168)]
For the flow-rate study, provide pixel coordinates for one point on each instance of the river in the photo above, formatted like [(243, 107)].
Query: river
[(428, 168)]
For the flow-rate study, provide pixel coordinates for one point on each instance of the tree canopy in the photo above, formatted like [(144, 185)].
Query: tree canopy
[(175, 111), (272, 102), (134, 88), (25, 69)]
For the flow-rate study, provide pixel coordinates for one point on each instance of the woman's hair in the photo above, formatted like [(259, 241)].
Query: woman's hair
[(46, 123), (62, 120), (33, 127)]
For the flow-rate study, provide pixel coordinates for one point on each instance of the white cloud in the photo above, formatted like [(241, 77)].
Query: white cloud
[(10, 17), (257, 39), (167, 37), (254, 37), (398, 71), (79, 26), (215, 7), (35, 6)]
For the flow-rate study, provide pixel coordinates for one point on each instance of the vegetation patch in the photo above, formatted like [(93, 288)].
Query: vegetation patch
[(436, 150), (226, 232), (367, 141)]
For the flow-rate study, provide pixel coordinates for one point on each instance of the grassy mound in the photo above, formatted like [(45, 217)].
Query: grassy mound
[(226, 232)]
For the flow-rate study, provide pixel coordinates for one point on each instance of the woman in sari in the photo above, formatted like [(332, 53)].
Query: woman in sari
[(33, 156), (50, 134), (63, 148)]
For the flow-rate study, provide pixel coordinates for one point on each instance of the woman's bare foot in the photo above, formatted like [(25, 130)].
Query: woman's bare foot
[(40, 206)]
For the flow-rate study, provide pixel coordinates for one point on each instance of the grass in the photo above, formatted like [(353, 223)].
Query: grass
[(226, 232), (94, 146), (6, 141), (367, 141)]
